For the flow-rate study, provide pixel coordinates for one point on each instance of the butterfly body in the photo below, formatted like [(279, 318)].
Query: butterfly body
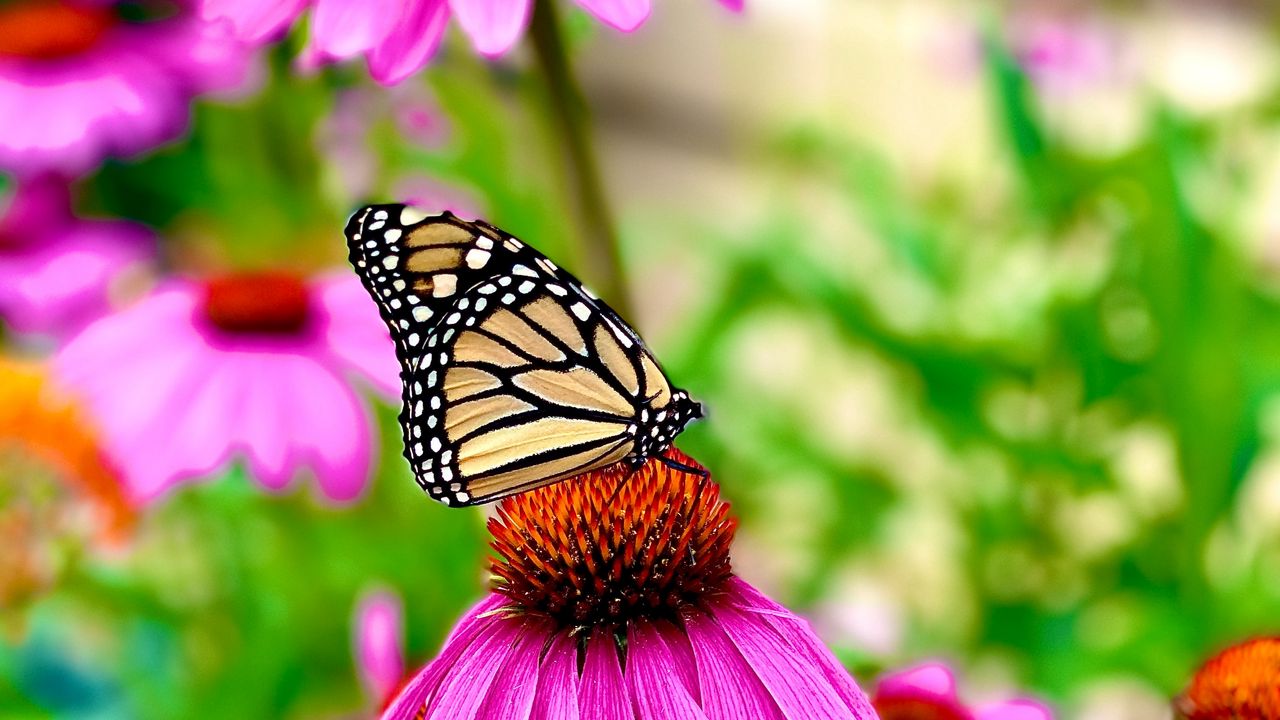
[(514, 374)]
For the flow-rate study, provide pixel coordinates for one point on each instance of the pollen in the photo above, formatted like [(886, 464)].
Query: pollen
[(614, 545), (262, 303), (1239, 683)]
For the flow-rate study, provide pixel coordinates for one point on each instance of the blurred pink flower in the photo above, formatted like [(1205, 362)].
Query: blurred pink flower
[(929, 691), (1062, 54), (379, 644), (398, 37), (79, 83), (582, 567), (57, 272), (251, 366)]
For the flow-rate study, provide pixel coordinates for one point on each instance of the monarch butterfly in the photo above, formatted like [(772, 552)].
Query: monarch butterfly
[(515, 375)]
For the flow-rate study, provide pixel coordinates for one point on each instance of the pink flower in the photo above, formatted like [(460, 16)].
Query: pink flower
[(581, 568), (397, 37), (78, 82), (379, 644), (247, 366), (928, 692), (57, 272)]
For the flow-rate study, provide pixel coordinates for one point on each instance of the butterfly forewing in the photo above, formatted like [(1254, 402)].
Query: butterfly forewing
[(515, 376)]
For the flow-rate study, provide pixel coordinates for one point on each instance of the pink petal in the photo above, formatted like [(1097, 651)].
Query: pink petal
[(730, 688), (624, 15), (648, 675), (412, 42), (932, 680), (602, 693), (379, 643), (511, 695), (1015, 710), (253, 20), (465, 685), (425, 685), (355, 333), (734, 5), (341, 29), (328, 428), (494, 26), (557, 696), (799, 688), (57, 283)]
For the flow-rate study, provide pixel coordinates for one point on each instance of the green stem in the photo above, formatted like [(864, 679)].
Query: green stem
[(603, 262)]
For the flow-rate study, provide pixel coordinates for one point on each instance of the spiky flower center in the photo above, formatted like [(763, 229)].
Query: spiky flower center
[(610, 546), (264, 303), (899, 708), (1240, 683), (48, 30)]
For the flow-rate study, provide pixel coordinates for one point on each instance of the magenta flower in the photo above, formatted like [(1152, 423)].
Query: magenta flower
[(617, 607), (90, 84), (928, 692), (57, 272), (398, 37), (379, 644), (252, 367)]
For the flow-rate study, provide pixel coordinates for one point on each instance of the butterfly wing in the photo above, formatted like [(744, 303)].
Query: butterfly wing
[(514, 375)]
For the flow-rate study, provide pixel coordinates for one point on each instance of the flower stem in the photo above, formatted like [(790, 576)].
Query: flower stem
[(603, 262)]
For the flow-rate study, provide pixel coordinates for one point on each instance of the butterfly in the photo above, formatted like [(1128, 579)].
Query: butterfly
[(515, 375)]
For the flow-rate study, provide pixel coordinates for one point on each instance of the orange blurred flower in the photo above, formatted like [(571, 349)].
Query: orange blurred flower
[(55, 482)]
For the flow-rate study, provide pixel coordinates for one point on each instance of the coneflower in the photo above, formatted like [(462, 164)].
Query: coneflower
[(614, 599)]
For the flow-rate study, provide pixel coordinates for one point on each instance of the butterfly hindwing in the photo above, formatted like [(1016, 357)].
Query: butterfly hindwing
[(514, 374)]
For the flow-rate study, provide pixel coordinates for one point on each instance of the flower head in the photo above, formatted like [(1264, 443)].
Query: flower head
[(92, 80), (614, 598), (398, 38), (57, 272), (55, 482), (253, 366), (1239, 683), (928, 692)]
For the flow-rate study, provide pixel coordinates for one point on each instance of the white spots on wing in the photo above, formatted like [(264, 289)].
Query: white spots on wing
[(547, 265), (504, 281), (508, 299), (525, 287), (435, 403), (557, 290), (421, 314), (394, 303), (391, 235), (513, 244), (411, 215), (523, 270), (476, 259), (417, 388), (581, 311), (377, 223), (435, 444), (463, 497), (487, 289), (413, 339), (399, 284), (391, 261), (404, 324), (453, 318), (617, 332), (371, 244), (481, 304), (484, 243), (446, 284)]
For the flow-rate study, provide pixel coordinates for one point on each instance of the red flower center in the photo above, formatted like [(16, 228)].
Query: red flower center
[(1240, 683), (585, 556), (47, 29), (258, 303), (910, 708)]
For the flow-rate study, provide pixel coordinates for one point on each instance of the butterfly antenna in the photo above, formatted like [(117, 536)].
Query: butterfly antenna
[(617, 489)]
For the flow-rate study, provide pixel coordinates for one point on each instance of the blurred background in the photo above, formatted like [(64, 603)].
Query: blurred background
[(982, 299)]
